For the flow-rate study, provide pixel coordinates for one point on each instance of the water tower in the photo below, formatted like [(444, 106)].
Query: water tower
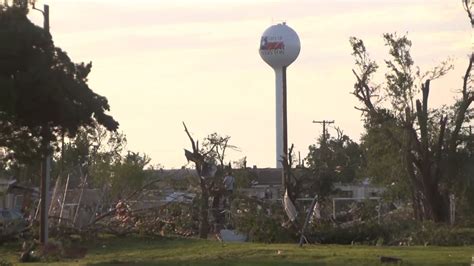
[(279, 47)]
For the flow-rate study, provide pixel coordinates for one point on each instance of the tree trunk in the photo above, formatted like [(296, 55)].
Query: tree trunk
[(436, 207), (204, 212), (414, 188), (198, 160), (429, 163)]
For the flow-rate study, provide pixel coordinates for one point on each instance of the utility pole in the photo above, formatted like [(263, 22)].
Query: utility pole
[(46, 163), (45, 13), (323, 144), (324, 122)]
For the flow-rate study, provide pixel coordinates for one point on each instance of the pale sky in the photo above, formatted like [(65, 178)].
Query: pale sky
[(163, 62)]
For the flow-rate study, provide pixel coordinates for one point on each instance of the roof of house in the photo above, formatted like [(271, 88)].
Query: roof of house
[(175, 173), (268, 176), (265, 176)]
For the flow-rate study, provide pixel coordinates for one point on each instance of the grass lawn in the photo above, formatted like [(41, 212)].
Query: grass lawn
[(163, 251)]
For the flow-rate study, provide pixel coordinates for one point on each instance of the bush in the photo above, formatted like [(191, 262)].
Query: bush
[(365, 233), (395, 233), (5, 263), (176, 218), (431, 234), (260, 221)]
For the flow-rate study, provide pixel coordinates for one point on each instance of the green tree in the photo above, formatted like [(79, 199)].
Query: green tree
[(97, 150), (384, 164), (43, 94), (128, 175), (428, 139), (335, 159), (100, 154)]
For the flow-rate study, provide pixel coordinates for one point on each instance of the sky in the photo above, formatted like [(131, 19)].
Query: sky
[(160, 63)]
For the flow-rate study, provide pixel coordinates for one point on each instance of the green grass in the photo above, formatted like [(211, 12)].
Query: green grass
[(160, 251)]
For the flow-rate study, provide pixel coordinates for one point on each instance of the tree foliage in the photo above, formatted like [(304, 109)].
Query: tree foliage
[(429, 140), (43, 93), (128, 174), (102, 156), (335, 159)]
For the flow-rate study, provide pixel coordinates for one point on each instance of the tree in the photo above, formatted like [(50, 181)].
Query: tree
[(43, 94), (384, 164), (340, 154), (216, 146), (429, 139), (205, 160), (336, 159), (96, 150), (128, 174), (100, 155)]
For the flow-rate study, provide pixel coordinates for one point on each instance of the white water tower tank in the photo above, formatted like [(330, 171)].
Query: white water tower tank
[(279, 47)]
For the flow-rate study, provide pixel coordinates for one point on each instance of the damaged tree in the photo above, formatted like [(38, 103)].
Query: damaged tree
[(205, 163), (198, 159), (429, 139)]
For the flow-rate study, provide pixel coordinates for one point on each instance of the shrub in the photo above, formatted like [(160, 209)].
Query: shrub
[(442, 235), (260, 221), (394, 233), (364, 233)]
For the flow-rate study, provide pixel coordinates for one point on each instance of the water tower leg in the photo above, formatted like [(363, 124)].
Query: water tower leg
[(280, 116)]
